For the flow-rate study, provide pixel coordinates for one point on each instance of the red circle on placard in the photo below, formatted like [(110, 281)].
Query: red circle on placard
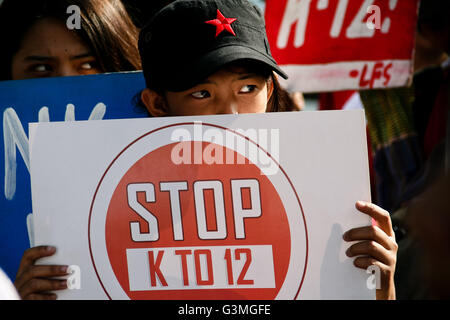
[(272, 228)]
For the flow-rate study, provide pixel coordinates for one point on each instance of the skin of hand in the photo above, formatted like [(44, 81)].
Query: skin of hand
[(375, 245), (34, 282)]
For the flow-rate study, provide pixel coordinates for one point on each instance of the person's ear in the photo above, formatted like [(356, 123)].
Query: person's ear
[(270, 86), (154, 102)]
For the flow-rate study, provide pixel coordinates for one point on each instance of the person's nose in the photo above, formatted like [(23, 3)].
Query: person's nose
[(66, 70), (227, 105)]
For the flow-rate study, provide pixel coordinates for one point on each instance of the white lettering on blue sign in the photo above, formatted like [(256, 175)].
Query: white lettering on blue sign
[(14, 135)]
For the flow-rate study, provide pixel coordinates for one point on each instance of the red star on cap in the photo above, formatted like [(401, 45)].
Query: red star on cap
[(222, 23)]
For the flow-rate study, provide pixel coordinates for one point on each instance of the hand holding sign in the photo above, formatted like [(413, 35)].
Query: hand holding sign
[(34, 282), (377, 246)]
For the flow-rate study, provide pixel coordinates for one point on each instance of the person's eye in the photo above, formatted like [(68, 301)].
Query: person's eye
[(248, 88), (88, 65), (41, 68), (201, 94)]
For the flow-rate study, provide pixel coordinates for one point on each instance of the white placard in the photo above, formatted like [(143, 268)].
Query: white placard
[(212, 207)]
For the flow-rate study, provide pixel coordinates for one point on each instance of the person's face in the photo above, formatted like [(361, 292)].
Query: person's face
[(231, 90), (49, 49)]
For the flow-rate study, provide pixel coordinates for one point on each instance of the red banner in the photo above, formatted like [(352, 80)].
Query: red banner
[(330, 45)]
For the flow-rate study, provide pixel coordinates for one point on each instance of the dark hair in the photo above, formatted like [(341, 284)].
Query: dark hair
[(434, 14), (280, 100), (106, 29), (140, 11)]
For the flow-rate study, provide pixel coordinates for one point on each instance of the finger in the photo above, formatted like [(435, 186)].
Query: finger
[(41, 296), (32, 254), (373, 233), (44, 271), (40, 286), (370, 249), (366, 262), (381, 216), (386, 280)]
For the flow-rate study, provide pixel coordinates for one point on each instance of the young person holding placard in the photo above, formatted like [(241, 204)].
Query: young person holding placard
[(212, 57)]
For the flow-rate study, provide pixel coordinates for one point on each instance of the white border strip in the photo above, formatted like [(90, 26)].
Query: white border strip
[(336, 76)]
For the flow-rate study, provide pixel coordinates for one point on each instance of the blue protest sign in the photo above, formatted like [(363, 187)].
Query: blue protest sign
[(96, 97)]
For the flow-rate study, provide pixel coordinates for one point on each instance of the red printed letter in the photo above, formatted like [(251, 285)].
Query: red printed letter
[(376, 74), (154, 268), (198, 270), (183, 254)]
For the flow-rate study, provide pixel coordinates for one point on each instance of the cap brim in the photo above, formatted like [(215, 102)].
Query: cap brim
[(211, 62)]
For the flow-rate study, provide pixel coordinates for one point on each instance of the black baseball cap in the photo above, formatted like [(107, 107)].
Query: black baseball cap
[(189, 40)]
